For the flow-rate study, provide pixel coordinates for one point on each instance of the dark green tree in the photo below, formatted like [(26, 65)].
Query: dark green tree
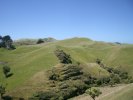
[(63, 57)]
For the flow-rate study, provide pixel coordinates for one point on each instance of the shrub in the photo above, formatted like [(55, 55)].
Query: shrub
[(115, 78), (69, 92), (99, 82), (109, 69), (87, 80), (40, 41), (98, 61), (93, 92), (116, 71), (6, 70), (103, 81), (124, 75), (130, 80)]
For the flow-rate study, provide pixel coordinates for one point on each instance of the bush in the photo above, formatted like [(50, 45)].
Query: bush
[(116, 71), (109, 69), (115, 78), (124, 75), (130, 80), (40, 41), (68, 93), (103, 81), (6, 70), (93, 92), (13, 47), (98, 61), (99, 82), (87, 80)]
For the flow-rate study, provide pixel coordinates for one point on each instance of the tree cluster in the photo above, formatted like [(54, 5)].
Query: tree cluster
[(6, 42), (116, 75), (63, 57)]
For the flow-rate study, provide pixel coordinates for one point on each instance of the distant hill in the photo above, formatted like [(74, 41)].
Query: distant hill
[(32, 41)]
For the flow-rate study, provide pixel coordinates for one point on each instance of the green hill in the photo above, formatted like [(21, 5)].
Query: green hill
[(28, 60)]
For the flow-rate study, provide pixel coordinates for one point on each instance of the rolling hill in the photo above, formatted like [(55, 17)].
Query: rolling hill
[(29, 62)]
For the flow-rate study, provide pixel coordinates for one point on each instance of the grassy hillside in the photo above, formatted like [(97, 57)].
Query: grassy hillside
[(27, 61)]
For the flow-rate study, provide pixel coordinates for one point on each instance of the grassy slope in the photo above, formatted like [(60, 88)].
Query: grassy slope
[(26, 61)]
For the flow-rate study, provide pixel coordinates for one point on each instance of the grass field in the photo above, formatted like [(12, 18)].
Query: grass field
[(27, 61)]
